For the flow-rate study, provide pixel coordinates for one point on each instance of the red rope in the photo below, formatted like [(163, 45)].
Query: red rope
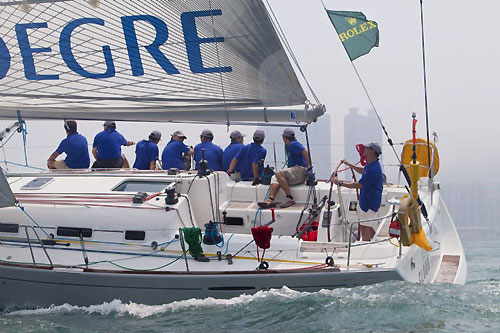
[(262, 236)]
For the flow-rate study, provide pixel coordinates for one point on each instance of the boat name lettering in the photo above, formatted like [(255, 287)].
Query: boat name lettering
[(344, 36), (192, 41)]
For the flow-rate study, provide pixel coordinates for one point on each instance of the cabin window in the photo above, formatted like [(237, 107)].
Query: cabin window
[(135, 235), (9, 228), (74, 232), (234, 221), (37, 183), (141, 186)]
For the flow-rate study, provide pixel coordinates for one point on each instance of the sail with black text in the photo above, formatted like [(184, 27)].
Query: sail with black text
[(150, 60)]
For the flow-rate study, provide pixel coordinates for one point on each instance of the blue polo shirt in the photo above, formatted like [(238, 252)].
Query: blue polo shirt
[(145, 152), (370, 195), (213, 155), (228, 155), (172, 155), (295, 156), (249, 154), (77, 151), (109, 144)]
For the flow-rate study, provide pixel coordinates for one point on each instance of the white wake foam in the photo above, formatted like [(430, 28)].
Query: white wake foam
[(142, 311)]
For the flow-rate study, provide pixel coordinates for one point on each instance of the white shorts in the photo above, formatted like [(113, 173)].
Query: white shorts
[(370, 214)]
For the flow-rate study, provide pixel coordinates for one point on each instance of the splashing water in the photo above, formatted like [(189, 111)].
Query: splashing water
[(389, 306)]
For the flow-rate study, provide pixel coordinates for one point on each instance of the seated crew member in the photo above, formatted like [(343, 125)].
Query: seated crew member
[(107, 148), (295, 174), (370, 185), (76, 148), (213, 153), (251, 157), (173, 153), (231, 151), (146, 152)]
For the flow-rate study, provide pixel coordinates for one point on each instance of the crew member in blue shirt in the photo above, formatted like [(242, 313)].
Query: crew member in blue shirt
[(146, 152), (295, 174), (107, 148), (174, 152), (76, 148), (371, 185), (212, 153), (252, 157), (231, 151)]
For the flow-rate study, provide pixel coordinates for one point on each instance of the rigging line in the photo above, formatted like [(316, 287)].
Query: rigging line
[(218, 62), (282, 36), (389, 140), (425, 88)]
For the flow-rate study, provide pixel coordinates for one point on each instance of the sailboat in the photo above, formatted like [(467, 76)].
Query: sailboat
[(86, 237)]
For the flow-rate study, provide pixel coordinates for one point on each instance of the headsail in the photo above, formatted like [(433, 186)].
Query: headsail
[(149, 60), (7, 198)]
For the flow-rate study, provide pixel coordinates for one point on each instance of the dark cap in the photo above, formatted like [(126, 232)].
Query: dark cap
[(109, 123), (289, 133), (70, 126), (375, 147), (207, 133), (179, 134), (259, 135), (155, 135), (236, 134)]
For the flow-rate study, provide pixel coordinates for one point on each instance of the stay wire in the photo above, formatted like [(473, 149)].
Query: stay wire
[(283, 38), (425, 88)]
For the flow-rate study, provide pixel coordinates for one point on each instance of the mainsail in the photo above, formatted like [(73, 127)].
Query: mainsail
[(148, 60), (7, 198)]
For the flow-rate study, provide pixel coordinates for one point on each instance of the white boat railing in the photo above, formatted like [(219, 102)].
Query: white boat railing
[(26, 227), (391, 215)]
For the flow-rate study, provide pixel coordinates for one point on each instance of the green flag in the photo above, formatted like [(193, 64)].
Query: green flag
[(358, 35)]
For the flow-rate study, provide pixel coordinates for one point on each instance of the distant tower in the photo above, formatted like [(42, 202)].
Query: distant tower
[(320, 134), (360, 128)]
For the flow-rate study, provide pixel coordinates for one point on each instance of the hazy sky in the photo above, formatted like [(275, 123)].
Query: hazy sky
[(463, 79)]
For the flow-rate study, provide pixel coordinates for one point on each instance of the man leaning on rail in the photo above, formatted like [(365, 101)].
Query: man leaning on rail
[(371, 185)]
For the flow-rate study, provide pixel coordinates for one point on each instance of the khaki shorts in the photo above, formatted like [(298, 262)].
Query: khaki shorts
[(370, 214), (61, 165), (235, 176), (294, 176)]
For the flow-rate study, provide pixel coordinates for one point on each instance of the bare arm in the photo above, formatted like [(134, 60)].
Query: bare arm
[(358, 169), (255, 169), (232, 165), (336, 181), (190, 152), (94, 152), (305, 153), (152, 165), (52, 159)]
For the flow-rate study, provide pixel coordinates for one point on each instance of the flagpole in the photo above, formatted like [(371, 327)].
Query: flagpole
[(425, 88)]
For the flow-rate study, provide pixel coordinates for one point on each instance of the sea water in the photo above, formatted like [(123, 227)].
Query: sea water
[(389, 306)]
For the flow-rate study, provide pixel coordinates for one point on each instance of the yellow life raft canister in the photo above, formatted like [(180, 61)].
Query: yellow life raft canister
[(422, 156)]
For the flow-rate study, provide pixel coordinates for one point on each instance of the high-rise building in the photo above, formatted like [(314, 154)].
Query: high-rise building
[(360, 128), (320, 135)]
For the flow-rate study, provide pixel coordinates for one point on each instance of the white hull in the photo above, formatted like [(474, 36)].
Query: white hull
[(118, 268)]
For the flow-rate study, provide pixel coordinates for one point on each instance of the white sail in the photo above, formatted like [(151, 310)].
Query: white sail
[(7, 198), (149, 60)]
